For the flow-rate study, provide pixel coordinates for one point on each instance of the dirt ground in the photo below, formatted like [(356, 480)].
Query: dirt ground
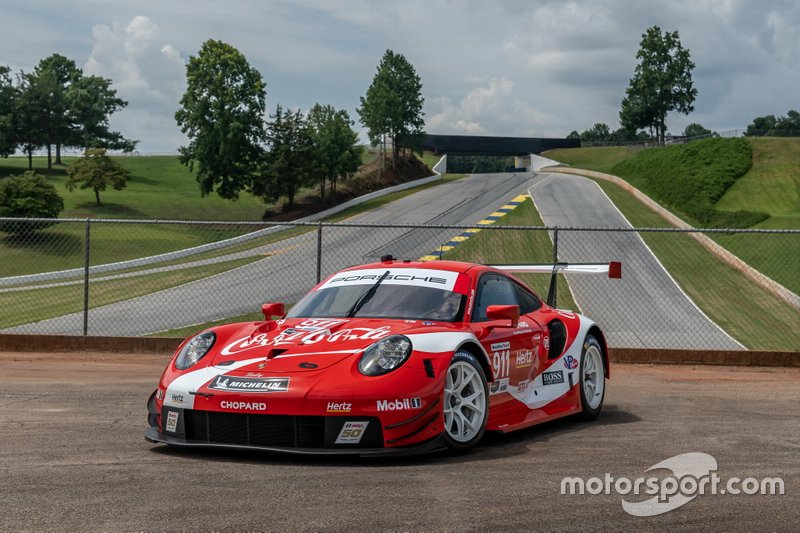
[(73, 457)]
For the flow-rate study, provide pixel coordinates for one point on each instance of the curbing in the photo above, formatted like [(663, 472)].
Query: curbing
[(167, 346)]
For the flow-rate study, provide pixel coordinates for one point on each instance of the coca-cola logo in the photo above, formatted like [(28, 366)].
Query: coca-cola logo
[(307, 332)]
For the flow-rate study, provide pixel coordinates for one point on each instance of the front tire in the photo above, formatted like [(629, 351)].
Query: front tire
[(593, 376), (466, 403)]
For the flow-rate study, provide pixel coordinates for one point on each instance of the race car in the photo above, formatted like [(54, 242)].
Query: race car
[(394, 357)]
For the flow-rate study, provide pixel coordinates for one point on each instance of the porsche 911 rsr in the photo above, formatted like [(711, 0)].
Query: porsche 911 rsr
[(395, 357)]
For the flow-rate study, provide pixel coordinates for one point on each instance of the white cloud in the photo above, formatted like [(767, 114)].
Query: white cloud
[(148, 73), (491, 110)]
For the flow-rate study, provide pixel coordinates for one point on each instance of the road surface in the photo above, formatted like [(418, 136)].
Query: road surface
[(646, 309), (74, 458)]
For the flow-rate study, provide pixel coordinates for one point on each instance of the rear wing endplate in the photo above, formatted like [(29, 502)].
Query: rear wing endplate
[(613, 269)]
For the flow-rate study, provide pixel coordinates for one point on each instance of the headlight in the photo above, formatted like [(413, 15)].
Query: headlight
[(385, 355), (195, 349)]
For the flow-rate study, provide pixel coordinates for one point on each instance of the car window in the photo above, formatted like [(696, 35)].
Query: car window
[(528, 303), (492, 290)]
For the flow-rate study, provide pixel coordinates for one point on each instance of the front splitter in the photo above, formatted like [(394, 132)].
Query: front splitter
[(435, 445)]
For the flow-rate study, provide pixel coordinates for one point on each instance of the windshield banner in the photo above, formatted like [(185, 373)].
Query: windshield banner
[(419, 277)]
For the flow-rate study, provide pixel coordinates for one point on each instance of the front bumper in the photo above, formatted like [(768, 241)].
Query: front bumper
[(435, 445)]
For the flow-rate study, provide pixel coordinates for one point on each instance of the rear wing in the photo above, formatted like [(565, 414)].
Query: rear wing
[(613, 269)]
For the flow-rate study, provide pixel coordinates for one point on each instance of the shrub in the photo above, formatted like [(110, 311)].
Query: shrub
[(28, 196)]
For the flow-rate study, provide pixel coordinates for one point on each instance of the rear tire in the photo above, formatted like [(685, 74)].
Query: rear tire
[(465, 403), (593, 376)]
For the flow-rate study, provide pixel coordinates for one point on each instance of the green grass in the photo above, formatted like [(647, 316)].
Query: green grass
[(158, 187), (600, 159), (62, 246), (690, 179), (509, 246), (752, 315), (771, 186), (22, 307)]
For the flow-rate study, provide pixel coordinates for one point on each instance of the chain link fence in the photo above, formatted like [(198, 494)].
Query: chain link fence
[(696, 289)]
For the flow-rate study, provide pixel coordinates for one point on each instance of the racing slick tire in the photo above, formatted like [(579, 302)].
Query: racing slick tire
[(592, 378), (465, 403)]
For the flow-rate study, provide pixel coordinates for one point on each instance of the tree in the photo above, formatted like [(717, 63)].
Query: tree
[(60, 73), (91, 100), (696, 130), (393, 104), (31, 112), (574, 135), (600, 132), (775, 126), (8, 102), (97, 171), (222, 113), (28, 195), (662, 82), (337, 152), (290, 162)]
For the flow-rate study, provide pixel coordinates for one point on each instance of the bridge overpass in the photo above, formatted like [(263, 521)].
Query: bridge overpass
[(522, 148)]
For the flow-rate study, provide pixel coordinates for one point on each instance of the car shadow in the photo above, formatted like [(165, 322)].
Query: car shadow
[(494, 445)]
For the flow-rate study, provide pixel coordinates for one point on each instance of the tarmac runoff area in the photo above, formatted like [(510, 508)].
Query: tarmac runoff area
[(73, 457)]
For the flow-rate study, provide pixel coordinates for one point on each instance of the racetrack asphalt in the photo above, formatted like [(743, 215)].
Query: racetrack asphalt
[(289, 268), (73, 458), (665, 316)]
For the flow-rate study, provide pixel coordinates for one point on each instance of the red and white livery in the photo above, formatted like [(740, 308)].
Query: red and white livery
[(395, 357)]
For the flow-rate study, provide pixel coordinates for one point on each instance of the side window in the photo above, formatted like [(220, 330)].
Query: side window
[(528, 303), (492, 290)]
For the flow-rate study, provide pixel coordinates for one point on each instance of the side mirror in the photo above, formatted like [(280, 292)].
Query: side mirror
[(503, 313), (272, 309)]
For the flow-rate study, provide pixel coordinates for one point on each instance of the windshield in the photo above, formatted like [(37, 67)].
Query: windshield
[(388, 301)]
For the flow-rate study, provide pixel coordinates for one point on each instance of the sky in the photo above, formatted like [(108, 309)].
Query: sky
[(510, 67)]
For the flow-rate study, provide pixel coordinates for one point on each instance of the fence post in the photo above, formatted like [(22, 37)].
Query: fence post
[(555, 260), (86, 278), (319, 252)]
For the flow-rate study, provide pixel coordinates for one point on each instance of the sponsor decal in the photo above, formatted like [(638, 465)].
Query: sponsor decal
[(498, 386), (172, 421), (177, 398), (410, 321), (254, 375), (159, 394), (501, 346), (251, 406), (523, 385), (546, 342), (297, 335), (426, 323), (339, 407), (570, 362), (524, 358), (400, 404), (352, 432), (522, 324), (552, 378), (261, 365), (230, 383)]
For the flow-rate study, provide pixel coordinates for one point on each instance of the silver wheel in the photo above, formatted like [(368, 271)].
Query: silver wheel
[(465, 403), (593, 377)]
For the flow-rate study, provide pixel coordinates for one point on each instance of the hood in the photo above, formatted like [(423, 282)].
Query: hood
[(307, 344)]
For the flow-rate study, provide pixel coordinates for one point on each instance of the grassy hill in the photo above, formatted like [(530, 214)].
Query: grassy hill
[(770, 186), (158, 187)]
